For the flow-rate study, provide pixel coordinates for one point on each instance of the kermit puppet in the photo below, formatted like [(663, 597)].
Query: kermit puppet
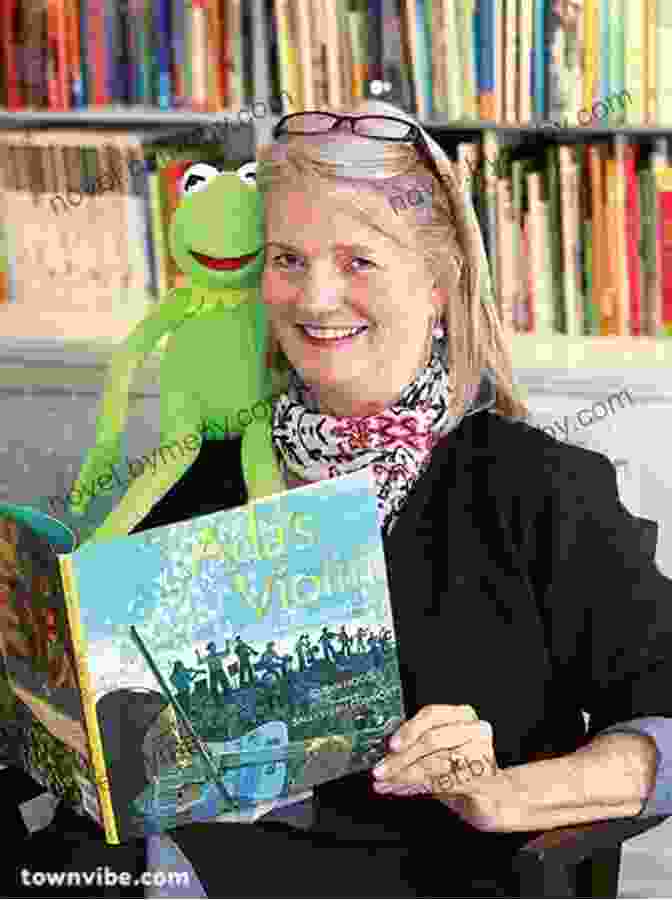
[(214, 363)]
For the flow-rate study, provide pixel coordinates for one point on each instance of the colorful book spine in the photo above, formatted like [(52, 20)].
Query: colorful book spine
[(664, 224), (486, 83), (539, 64), (649, 248), (616, 59), (603, 67), (663, 54), (498, 63), (97, 52), (651, 7), (162, 47), (562, 317), (424, 60), (88, 704), (510, 59), (541, 289), (464, 13), (450, 61), (590, 44), (525, 83), (569, 236), (633, 231), (490, 152), (634, 75)]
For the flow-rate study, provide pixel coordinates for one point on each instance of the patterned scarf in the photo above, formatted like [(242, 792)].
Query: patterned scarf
[(397, 442)]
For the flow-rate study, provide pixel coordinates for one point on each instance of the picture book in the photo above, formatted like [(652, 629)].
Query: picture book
[(205, 670)]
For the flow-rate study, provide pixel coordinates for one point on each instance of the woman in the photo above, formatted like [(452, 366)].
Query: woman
[(519, 595)]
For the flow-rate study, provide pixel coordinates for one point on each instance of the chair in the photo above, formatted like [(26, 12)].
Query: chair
[(583, 860)]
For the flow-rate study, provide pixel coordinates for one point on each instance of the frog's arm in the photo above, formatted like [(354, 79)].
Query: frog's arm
[(114, 408), (163, 467)]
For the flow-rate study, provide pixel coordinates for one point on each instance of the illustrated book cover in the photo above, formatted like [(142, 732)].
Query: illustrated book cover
[(211, 669)]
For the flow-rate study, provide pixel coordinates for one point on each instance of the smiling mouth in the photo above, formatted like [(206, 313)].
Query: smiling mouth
[(223, 264), (332, 335)]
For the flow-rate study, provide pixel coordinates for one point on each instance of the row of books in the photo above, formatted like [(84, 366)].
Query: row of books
[(72, 54), (515, 61), (579, 237)]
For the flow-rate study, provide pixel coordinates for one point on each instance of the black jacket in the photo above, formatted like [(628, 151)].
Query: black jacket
[(518, 586)]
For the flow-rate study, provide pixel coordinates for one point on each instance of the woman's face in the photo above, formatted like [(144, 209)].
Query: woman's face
[(327, 270)]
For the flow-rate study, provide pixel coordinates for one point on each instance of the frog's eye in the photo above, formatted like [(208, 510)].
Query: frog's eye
[(197, 178), (248, 173)]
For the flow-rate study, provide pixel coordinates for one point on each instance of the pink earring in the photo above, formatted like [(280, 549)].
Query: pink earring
[(438, 330)]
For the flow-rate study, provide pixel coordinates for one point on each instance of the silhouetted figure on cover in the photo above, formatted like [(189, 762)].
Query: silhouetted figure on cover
[(216, 669), (243, 651), (181, 678)]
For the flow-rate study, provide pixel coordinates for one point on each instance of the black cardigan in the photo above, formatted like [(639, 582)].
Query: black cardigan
[(518, 586)]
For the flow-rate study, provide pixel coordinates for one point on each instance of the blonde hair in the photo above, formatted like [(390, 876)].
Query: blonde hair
[(444, 231)]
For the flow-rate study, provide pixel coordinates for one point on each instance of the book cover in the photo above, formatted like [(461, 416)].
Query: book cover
[(235, 660)]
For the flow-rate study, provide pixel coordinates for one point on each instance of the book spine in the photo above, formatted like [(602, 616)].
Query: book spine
[(424, 59), (663, 54), (616, 57), (486, 99), (551, 183), (510, 73), (568, 198), (603, 52), (490, 152), (88, 703), (449, 60), (441, 77), (651, 7), (464, 12), (611, 259), (374, 43), (633, 230), (556, 97), (664, 204), (590, 32), (539, 67), (97, 46), (623, 285), (305, 48), (634, 75), (215, 101), (14, 98), (498, 62), (334, 75), (525, 86), (162, 51), (199, 54)]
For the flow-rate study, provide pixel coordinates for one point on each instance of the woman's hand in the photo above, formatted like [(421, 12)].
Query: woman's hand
[(449, 752)]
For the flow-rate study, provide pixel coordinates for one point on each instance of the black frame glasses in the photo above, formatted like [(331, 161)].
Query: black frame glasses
[(413, 136)]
